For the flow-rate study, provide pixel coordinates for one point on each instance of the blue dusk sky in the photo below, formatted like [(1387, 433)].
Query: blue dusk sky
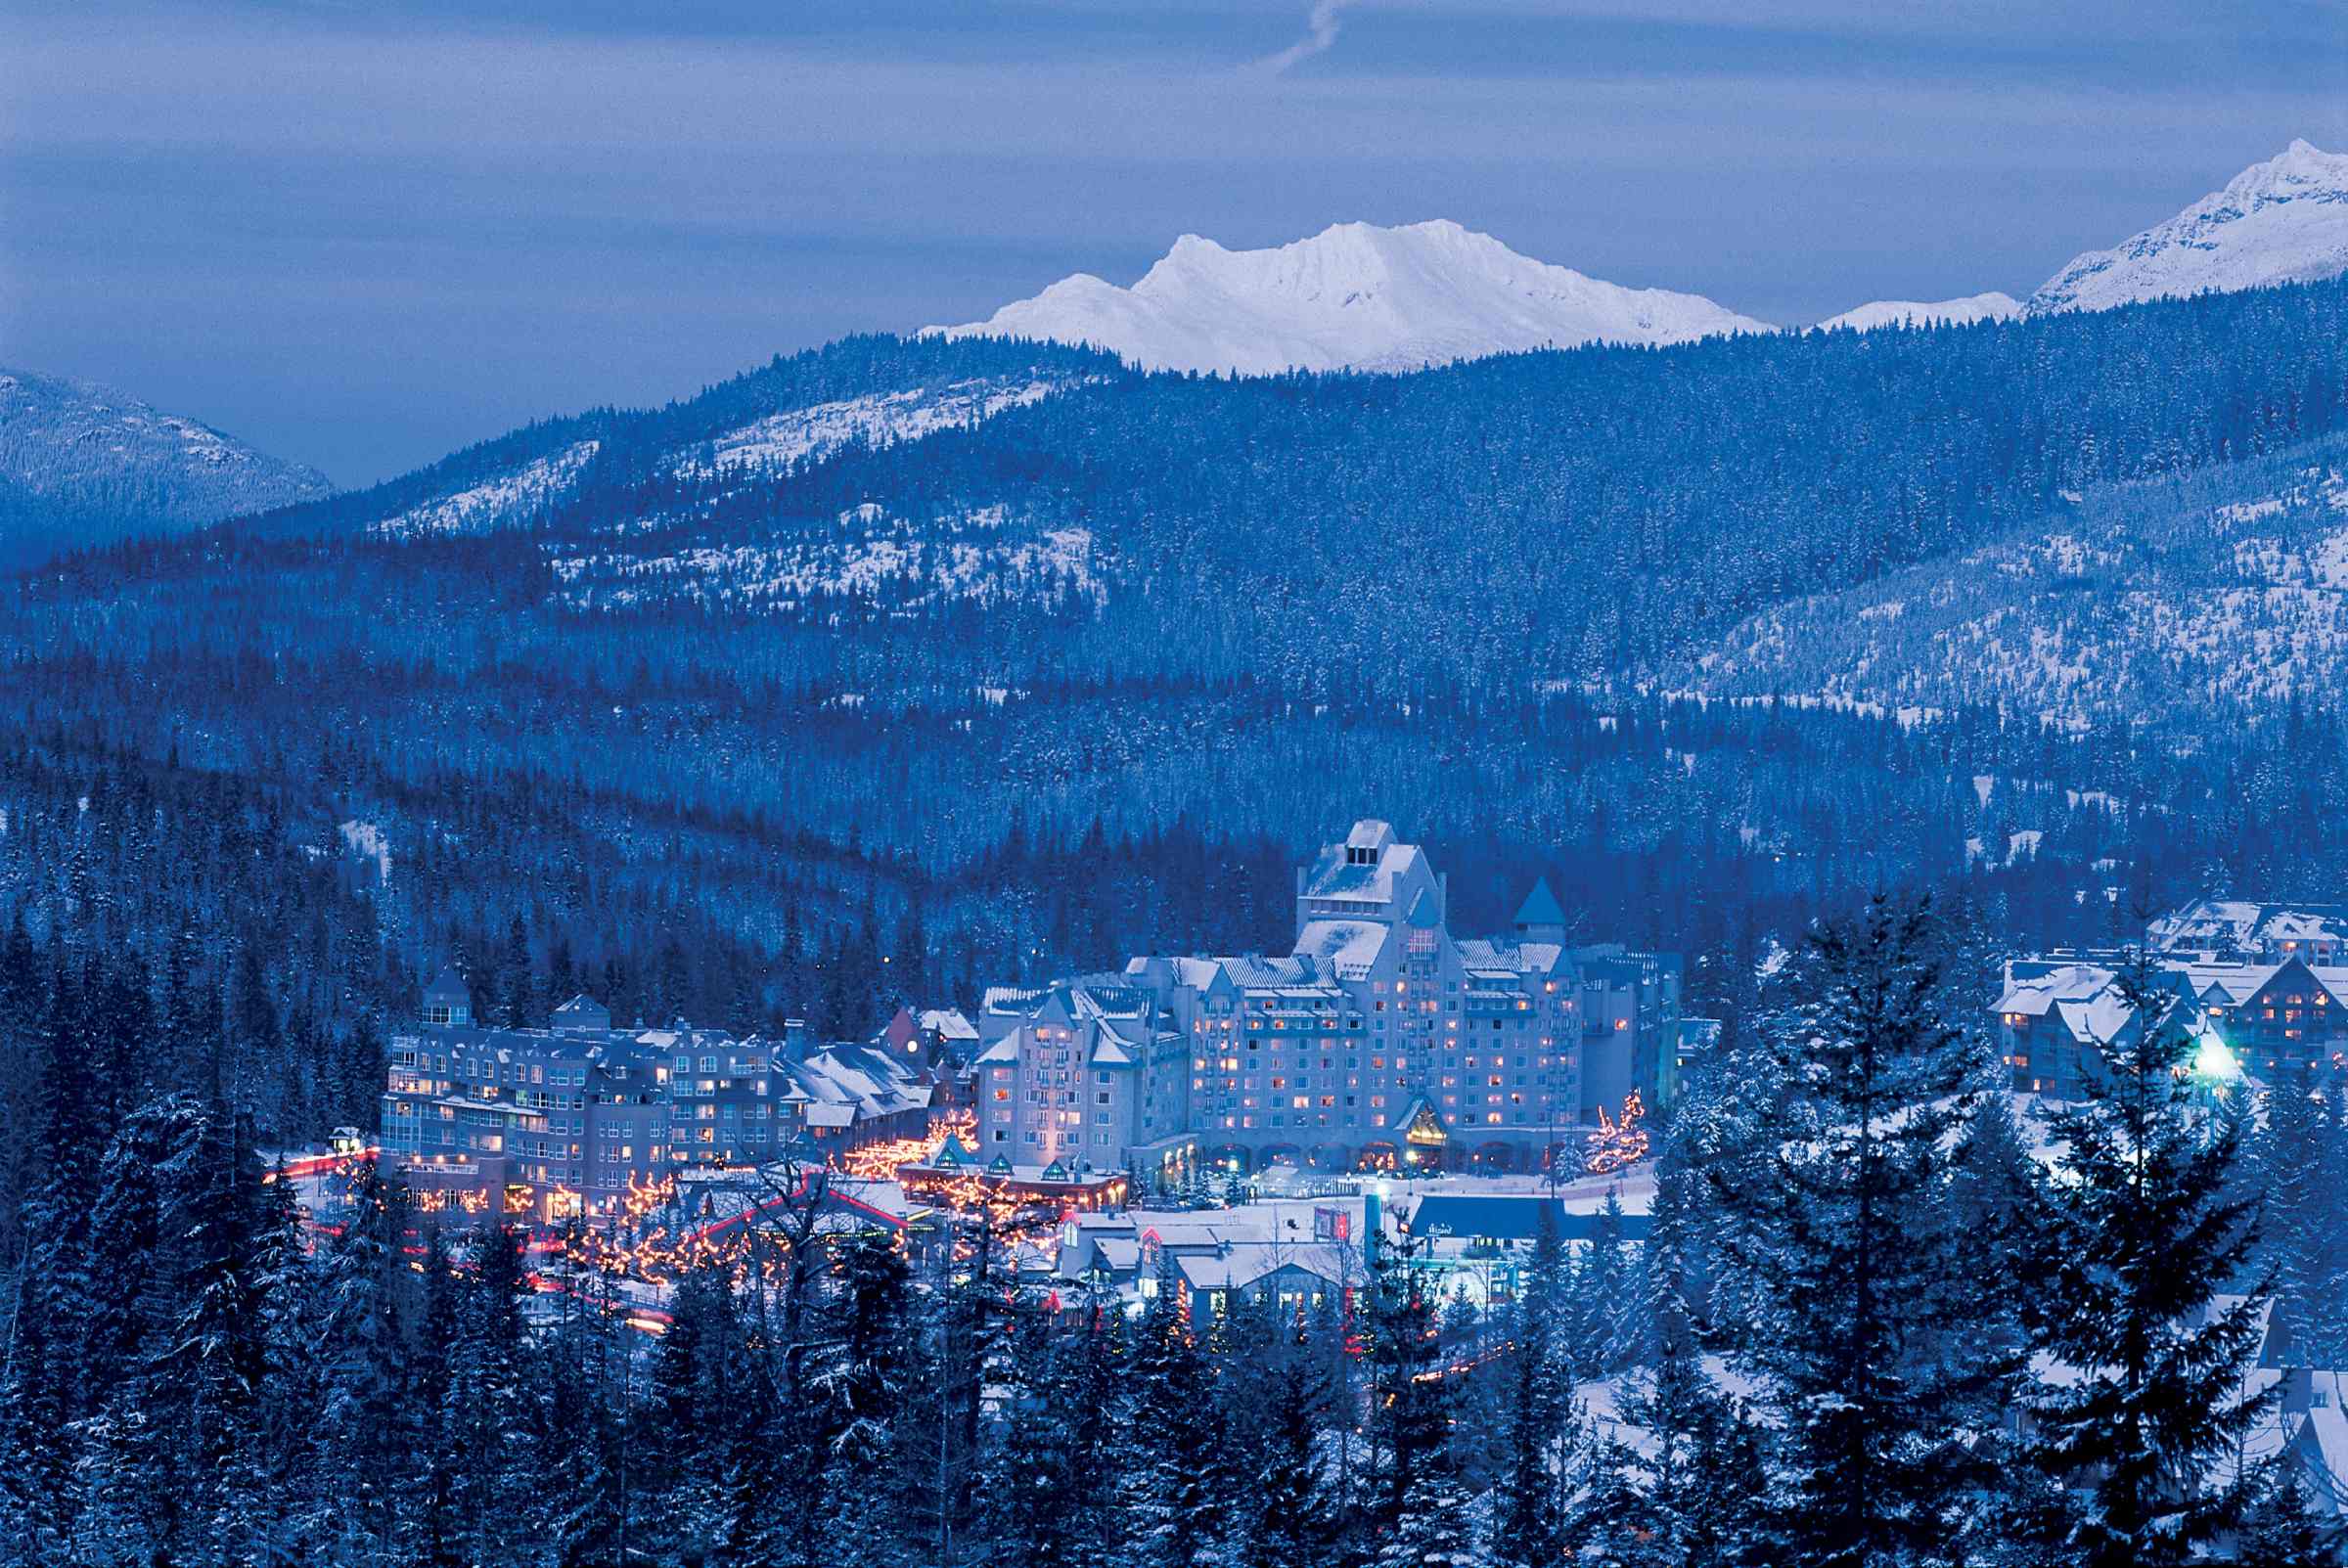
[(362, 234)]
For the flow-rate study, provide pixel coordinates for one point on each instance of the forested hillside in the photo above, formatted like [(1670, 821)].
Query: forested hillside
[(2216, 592), (83, 465), (985, 658)]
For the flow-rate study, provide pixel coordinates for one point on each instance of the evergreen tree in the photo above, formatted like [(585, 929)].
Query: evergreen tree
[(1410, 1403), (1850, 1237), (1696, 1494), (1290, 1518), (859, 1381), (2144, 1235), (2283, 1529), (41, 1380), (126, 1450), (1102, 1358), (1606, 1307), (216, 1355), (2303, 1159), (490, 1418), (1435, 1528), (1531, 1519), (520, 1002), (580, 1478), (433, 1531), (291, 1384), (696, 1403), (1034, 1474), (1172, 1518)]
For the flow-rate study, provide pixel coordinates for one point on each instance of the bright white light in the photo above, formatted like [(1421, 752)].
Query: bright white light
[(2216, 1060)]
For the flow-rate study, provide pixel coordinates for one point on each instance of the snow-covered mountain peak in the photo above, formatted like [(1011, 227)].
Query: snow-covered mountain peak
[(1991, 306), (2284, 220), (1354, 295)]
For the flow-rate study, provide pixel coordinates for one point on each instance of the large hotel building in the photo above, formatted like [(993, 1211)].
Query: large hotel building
[(1381, 1041)]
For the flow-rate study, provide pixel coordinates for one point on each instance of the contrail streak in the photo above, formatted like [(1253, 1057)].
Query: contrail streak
[(1319, 31)]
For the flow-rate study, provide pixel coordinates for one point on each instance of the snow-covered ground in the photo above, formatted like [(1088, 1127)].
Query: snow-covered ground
[(498, 503), (979, 556), (369, 841), (795, 435), (2227, 588), (879, 420)]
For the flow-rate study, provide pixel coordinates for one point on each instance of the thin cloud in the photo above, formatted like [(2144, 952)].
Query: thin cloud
[(1319, 31)]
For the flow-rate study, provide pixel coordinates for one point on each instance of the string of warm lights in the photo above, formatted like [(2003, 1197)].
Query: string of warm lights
[(1012, 1219), (463, 1199), (879, 1161), (1617, 1144)]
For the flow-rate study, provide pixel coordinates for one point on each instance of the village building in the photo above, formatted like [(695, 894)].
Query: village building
[(2273, 1019), (547, 1123), (2234, 930)]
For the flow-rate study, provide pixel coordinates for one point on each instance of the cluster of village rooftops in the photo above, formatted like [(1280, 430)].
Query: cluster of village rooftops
[(2260, 988), (1382, 1041)]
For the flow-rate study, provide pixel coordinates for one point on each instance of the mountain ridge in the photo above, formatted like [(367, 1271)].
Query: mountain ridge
[(2223, 592), (2283, 220), (1354, 297), (90, 464)]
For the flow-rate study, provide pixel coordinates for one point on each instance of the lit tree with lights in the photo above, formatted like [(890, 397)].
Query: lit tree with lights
[(1618, 1143)]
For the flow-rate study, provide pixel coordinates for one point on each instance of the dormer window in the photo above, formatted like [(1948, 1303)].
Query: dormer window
[(1360, 855)]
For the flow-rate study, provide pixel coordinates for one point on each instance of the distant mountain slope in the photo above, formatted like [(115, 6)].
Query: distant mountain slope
[(2222, 591), (2281, 221), (1992, 307), (89, 465), (868, 392), (1352, 297)]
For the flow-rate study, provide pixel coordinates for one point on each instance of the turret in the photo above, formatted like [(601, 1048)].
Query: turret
[(1541, 918)]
